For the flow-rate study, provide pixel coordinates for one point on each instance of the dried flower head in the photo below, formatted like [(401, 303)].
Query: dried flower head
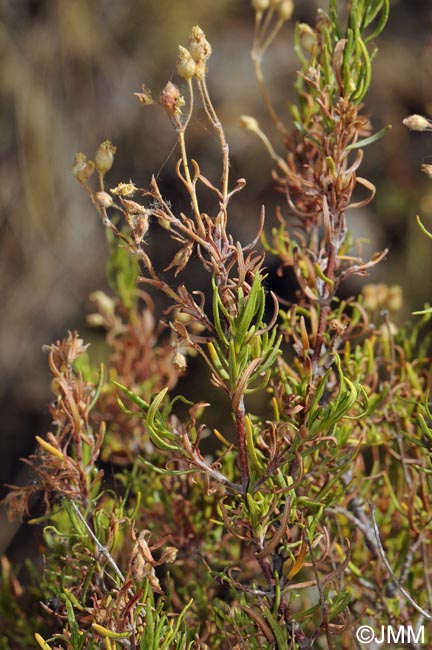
[(124, 189), (65, 352), (427, 169), (171, 99), (145, 97), (142, 562)]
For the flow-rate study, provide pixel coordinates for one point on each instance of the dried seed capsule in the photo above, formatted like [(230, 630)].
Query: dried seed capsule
[(394, 298), (285, 9), (169, 554), (104, 199), (104, 303), (417, 123), (260, 5), (179, 361), (139, 227), (249, 123), (308, 37), (82, 168), (427, 169), (200, 70), (132, 207), (104, 157), (185, 64), (199, 46)]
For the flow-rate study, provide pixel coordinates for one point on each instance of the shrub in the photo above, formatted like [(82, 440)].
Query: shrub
[(307, 514)]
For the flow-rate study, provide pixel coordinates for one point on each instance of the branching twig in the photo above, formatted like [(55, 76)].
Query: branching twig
[(381, 550), (100, 547), (324, 606)]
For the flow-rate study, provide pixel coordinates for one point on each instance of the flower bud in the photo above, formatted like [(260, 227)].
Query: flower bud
[(104, 157), (200, 48), (185, 64), (417, 123), (82, 168)]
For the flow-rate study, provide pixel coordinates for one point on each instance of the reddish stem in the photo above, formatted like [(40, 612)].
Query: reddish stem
[(325, 306), (241, 439)]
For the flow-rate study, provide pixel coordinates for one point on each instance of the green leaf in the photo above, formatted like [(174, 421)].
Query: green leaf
[(136, 399), (253, 304), (218, 307), (281, 640), (385, 8), (373, 138)]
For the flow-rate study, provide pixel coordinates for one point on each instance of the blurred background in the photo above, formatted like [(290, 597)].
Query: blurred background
[(68, 71)]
